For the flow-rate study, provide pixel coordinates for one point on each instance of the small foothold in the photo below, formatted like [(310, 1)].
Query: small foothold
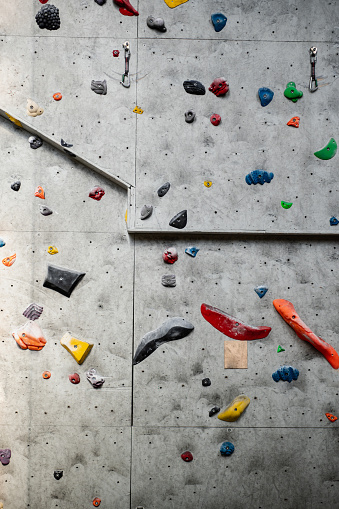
[(48, 17), (33, 110), (138, 110), (179, 220), (187, 456), (259, 177), (45, 211), (2, 243), (219, 86), (280, 349), (194, 87), (52, 250), (16, 185), (226, 449), (327, 152), (214, 411), (29, 336), (62, 280), (9, 260), (174, 3), (57, 96), (192, 251), (164, 189), (294, 122), (35, 142), (95, 379), (74, 378), (291, 92), (33, 312), (99, 87), (100, 2), (331, 417), (146, 211), (286, 374), (116, 52), (169, 280), (76, 347), (208, 183), (97, 501), (64, 144), (265, 96), (170, 255), (235, 409), (156, 23), (286, 204), (58, 474), (5, 456), (215, 119), (189, 116), (261, 291), (46, 375), (96, 193), (334, 221), (206, 382), (219, 21), (39, 193), (43, 1)]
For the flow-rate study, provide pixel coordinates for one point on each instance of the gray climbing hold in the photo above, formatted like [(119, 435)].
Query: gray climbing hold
[(194, 87), (16, 185), (35, 142), (189, 116), (146, 211), (95, 379), (99, 87), (164, 189), (45, 211), (64, 144), (170, 330), (156, 23), (100, 2), (62, 280), (168, 280), (179, 220)]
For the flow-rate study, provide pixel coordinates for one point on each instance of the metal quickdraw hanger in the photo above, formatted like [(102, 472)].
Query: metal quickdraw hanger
[(126, 77), (313, 86)]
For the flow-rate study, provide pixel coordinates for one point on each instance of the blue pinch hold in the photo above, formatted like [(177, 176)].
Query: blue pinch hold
[(259, 177), (219, 21), (226, 449), (2, 243), (286, 374), (261, 291), (334, 221), (192, 251), (265, 95)]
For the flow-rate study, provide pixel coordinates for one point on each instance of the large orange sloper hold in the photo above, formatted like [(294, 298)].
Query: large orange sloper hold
[(289, 314), (29, 336)]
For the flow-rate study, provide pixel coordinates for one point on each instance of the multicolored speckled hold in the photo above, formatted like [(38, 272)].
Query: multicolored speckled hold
[(286, 374), (291, 92), (294, 122), (219, 21), (187, 456), (226, 449), (334, 221), (286, 204), (265, 95), (328, 151), (259, 177)]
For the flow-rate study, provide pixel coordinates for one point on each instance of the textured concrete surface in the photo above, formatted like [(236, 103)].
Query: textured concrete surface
[(122, 442)]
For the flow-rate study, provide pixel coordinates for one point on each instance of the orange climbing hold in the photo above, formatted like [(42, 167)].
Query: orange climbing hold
[(294, 122), (9, 260), (331, 417), (96, 502), (40, 193), (46, 374), (29, 336), (57, 96)]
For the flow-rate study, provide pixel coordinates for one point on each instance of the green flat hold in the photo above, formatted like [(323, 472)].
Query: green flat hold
[(286, 204), (280, 349), (291, 92), (329, 151)]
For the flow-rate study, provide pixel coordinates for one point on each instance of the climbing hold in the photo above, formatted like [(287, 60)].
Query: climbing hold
[(99, 87), (33, 110), (33, 312), (64, 144), (95, 379), (97, 501), (189, 116), (57, 96), (146, 211), (261, 290), (74, 378), (280, 349), (168, 280), (208, 183), (327, 152), (187, 456), (294, 122), (179, 220), (46, 375), (286, 204), (58, 474), (52, 250), (194, 87), (126, 8), (138, 110), (170, 330), (232, 327), (334, 221), (219, 86), (192, 251), (226, 449), (9, 260), (219, 21), (96, 193), (156, 23), (170, 255), (39, 193), (331, 417), (235, 409), (286, 374), (289, 314), (48, 17), (76, 347), (259, 177), (16, 185), (291, 92), (174, 3), (214, 411), (164, 189), (2, 243), (35, 142), (215, 119), (29, 336), (116, 52), (45, 211), (100, 2), (43, 1), (206, 382), (62, 280), (5, 456), (265, 95), (14, 120)]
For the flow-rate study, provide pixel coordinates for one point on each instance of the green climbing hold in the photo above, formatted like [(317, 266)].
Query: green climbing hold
[(286, 204), (329, 151), (280, 349), (291, 92)]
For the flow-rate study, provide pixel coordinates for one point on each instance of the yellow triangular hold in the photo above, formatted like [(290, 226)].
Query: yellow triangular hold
[(138, 110), (14, 120), (77, 348), (174, 3)]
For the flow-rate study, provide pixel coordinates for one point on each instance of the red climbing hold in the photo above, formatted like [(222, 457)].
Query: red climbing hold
[(215, 119), (294, 122), (43, 1), (74, 378), (116, 52), (126, 6), (96, 193), (187, 456), (331, 417)]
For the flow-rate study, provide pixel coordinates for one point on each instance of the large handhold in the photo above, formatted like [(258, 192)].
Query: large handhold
[(328, 151), (5, 456), (169, 280), (226, 449), (170, 255), (62, 280), (76, 347), (96, 193), (286, 374), (219, 21), (146, 211), (235, 409), (33, 311), (194, 87), (48, 17), (259, 177), (289, 314), (29, 337), (179, 220), (156, 23), (9, 260), (99, 87), (291, 92), (265, 95), (219, 86), (94, 378), (126, 7), (164, 189), (232, 327), (174, 3), (33, 110), (172, 329)]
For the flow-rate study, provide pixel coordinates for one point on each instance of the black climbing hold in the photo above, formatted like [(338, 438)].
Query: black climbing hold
[(16, 185), (64, 144), (164, 189), (189, 116), (100, 2), (214, 411), (62, 280), (206, 382), (58, 474), (48, 17), (194, 87), (35, 142), (180, 220)]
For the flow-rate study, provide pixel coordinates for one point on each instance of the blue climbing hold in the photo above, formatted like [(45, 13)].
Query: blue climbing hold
[(333, 221), (265, 95), (286, 374), (192, 251), (259, 177), (261, 291), (2, 243), (226, 449), (219, 21)]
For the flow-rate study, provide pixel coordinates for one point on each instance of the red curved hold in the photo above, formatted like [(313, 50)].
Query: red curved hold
[(232, 327), (289, 314), (125, 4)]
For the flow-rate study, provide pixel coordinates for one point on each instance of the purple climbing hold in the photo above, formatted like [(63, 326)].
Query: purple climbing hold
[(33, 312), (5, 456), (95, 379)]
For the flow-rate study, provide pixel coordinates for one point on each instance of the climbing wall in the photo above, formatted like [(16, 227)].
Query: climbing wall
[(120, 445)]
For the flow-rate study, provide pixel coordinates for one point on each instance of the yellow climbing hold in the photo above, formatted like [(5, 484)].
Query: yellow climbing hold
[(174, 3), (235, 409), (207, 183), (52, 250), (126, 216), (14, 120), (77, 348), (138, 110)]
